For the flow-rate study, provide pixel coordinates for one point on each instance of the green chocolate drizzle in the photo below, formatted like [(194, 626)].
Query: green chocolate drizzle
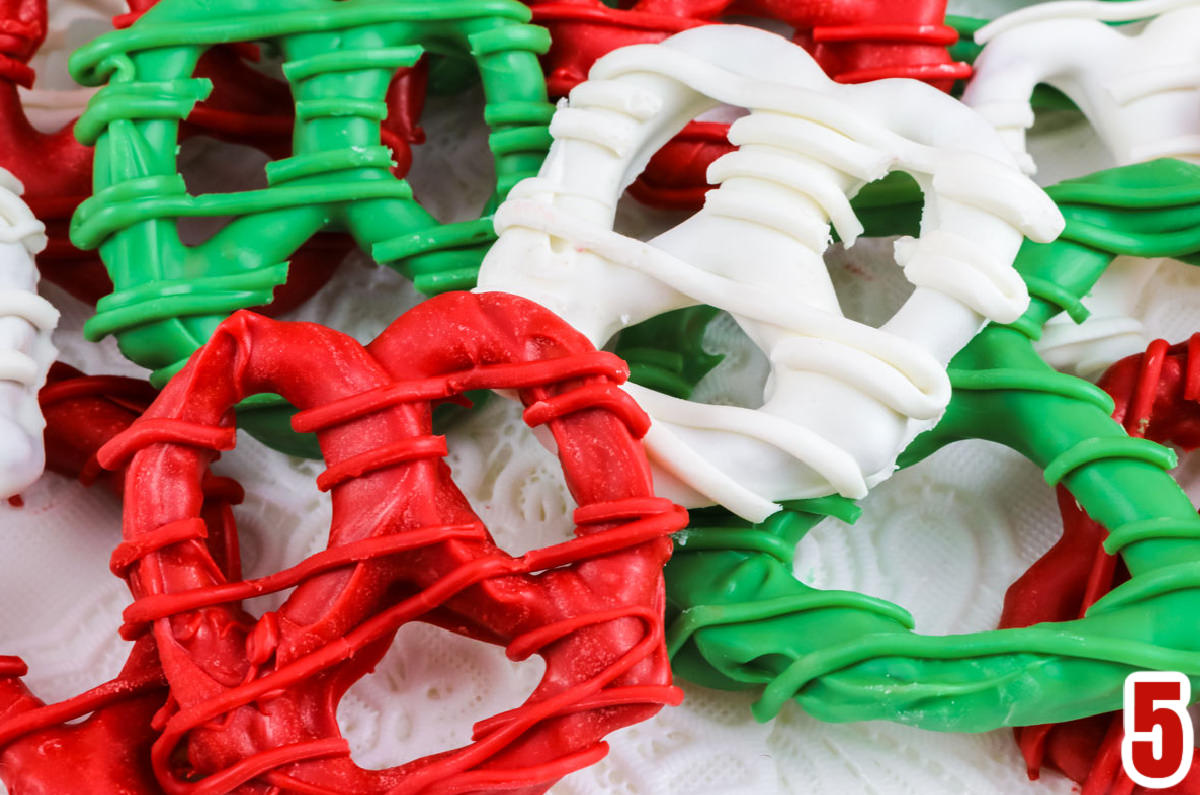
[(339, 58), (744, 621)]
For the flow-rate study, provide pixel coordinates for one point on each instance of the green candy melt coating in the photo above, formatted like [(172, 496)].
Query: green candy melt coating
[(665, 353), (338, 57), (740, 619)]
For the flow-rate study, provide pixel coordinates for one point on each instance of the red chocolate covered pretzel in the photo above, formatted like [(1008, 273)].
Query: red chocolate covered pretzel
[(82, 413), (253, 702), (1157, 396), (110, 751)]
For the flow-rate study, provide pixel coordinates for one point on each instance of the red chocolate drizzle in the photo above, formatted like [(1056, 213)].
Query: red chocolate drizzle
[(253, 702)]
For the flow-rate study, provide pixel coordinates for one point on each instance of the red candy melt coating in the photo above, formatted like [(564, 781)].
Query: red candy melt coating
[(853, 40), (253, 703), (1157, 396), (110, 751), (245, 107), (82, 413)]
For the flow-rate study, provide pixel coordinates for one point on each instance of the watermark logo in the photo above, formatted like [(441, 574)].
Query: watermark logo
[(1157, 749)]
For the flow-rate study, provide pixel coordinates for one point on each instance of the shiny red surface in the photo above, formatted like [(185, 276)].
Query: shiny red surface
[(215, 700)]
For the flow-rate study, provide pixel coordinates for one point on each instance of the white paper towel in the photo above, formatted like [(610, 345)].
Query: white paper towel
[(943, 539)]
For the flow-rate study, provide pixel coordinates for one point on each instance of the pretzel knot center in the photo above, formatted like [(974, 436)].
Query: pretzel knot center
[(254, 699)]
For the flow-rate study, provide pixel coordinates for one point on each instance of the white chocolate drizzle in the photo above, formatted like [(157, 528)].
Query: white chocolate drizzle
[(26, 352), (1139, 87), (843, 398)]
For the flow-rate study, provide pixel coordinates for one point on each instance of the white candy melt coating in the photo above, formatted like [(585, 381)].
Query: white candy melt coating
[(843, 398), (1103, 10), (1139, 87), (26, 352)]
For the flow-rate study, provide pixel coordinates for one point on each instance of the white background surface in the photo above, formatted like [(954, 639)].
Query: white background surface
[(943, 539)]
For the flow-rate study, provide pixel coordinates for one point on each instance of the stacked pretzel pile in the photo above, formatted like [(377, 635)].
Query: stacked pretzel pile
[(746, 154)]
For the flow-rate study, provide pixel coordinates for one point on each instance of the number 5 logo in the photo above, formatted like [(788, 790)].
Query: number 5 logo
[(1157, 749)]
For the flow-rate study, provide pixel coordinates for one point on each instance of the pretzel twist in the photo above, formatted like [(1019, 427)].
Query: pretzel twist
[(1119, 78), (1155, 396), (49, 747), (735, 600), (253, 700), (806, 147), (340, 58), (246, 107)]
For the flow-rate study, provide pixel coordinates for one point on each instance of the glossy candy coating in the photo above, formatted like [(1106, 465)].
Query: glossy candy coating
[(339, 59), (110, 750), (1156, 396), (843, 398), (245, 107), (55, 168), (26, 351), (83, 412), (1136, 85), (844, 658), (255, 700), (853, 41), (753, 624)]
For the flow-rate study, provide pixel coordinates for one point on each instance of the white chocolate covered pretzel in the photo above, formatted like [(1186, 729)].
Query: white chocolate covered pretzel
[(843, 398), (1138, 85), (26, 352)]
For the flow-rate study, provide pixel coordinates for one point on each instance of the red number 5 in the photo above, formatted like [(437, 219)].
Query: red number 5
[(1157, 749)]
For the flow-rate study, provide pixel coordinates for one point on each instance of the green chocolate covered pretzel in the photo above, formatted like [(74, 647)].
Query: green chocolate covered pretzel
[(742, 621), (338, 57)]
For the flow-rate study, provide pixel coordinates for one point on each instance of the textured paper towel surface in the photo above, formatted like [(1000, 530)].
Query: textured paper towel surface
[(943, 539)]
